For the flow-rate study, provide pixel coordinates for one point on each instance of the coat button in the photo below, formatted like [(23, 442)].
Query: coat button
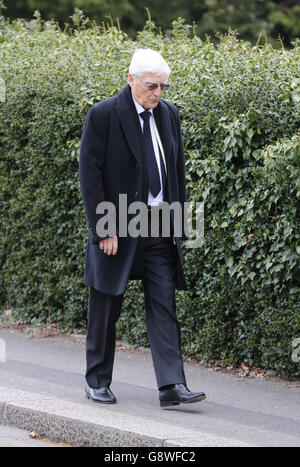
[(136, 194), (137, 166)]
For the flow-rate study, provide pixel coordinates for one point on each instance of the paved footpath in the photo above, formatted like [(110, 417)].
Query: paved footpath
[(42, 389)]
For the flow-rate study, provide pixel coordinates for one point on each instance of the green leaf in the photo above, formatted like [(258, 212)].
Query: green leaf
[(229, 261)]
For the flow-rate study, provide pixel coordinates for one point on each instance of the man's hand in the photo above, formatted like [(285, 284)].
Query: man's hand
[(109, 245)]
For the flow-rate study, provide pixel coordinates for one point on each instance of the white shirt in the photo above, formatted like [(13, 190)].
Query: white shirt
[(159, 198)]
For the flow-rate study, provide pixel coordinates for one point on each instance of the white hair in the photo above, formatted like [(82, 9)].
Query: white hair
[(148, 61)]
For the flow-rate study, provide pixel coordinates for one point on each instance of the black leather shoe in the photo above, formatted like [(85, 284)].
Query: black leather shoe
[(103, 395), (179, 394)]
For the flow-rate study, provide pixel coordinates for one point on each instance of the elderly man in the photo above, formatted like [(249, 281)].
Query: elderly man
[(132, 145)]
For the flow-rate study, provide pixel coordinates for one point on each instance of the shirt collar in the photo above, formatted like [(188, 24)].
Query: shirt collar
[(138, 106)]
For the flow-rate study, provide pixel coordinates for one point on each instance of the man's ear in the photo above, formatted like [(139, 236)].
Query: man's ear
[(130, 79)]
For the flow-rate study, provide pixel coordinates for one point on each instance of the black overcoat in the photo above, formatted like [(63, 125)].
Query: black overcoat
[(111, 163)]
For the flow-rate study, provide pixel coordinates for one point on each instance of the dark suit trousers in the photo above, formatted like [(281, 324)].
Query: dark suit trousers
[(163, 331)]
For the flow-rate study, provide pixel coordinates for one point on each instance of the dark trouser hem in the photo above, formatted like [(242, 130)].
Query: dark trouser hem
[(170, 386), (92, 379)]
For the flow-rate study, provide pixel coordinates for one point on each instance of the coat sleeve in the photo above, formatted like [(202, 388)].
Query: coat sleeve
[(91, 164)]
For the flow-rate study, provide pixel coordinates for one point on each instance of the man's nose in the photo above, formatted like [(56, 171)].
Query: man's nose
[(158, 92)]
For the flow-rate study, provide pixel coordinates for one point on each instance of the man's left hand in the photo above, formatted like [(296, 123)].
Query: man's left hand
[(109, 245)]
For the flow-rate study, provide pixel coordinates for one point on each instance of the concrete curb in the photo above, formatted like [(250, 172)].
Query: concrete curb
[(94, 425)]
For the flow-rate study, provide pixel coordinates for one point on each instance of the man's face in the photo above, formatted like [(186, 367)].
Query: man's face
[(145, 97)]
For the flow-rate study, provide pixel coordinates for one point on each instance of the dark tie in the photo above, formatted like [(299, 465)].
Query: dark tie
[(152, 168)]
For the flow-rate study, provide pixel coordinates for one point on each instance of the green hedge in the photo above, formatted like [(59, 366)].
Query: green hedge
[(239, 106)]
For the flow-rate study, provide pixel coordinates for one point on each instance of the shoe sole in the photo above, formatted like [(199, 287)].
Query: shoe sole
[(99, 402), (191, 401)]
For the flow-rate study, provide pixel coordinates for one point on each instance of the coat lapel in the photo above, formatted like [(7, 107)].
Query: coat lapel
[(162, 118), (129, 121)]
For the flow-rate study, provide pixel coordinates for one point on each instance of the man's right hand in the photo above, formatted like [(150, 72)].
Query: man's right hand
[(109, 245)]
